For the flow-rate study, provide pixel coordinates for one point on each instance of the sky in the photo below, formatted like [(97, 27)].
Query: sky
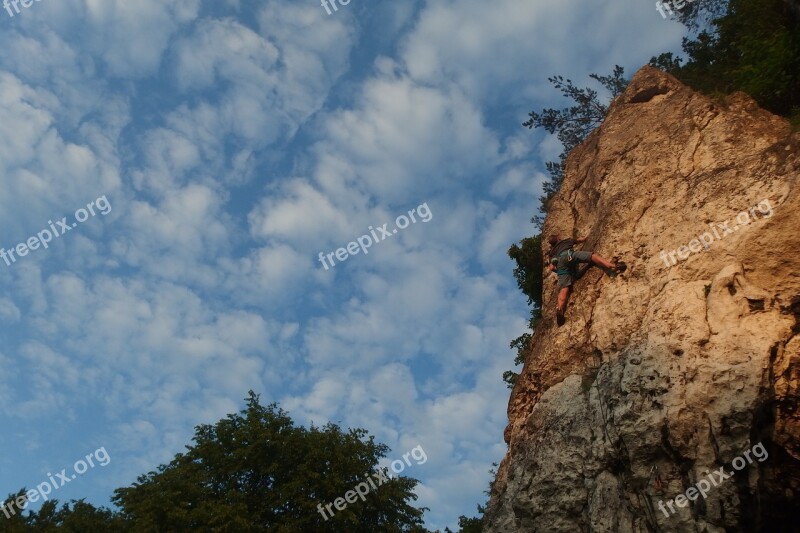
[(191, 159)]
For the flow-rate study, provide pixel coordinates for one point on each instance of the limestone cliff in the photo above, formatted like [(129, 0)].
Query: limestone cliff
[(670, 371)]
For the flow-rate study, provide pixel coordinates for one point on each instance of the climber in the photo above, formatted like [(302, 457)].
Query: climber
[(564, 262)]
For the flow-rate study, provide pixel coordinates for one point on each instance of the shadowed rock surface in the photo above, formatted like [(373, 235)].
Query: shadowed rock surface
[(667, 373)]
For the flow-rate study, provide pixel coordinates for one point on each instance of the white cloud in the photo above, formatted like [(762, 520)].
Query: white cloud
[(298, 213), (404, 139), (131, 37)]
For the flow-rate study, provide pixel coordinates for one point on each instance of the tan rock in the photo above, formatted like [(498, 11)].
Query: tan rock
[(666, 373)]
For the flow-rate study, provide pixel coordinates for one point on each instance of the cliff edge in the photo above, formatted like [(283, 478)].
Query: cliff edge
[(664, 377)]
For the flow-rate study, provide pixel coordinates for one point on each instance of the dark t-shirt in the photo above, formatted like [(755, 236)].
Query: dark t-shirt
[(563, 244)]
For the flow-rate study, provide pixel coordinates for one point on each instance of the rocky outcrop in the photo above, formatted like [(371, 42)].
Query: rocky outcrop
[(674, 369)]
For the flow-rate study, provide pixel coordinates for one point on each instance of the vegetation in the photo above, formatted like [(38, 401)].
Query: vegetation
[(529, 260), (253, 471), (700, 13), (469, 525), (750, 45)]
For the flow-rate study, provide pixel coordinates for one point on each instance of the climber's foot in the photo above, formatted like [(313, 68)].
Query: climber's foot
[(560, 317), (618, 268)]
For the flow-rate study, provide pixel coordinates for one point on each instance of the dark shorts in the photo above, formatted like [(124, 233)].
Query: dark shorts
[(566, 280)]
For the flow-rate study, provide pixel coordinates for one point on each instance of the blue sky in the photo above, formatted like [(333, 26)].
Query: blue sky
[(236, 140)]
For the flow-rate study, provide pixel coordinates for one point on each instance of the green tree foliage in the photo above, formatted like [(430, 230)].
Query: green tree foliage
[(14, 522), (469, 525), (74, 517), (749, 45), (529, 259), (699, 14), (256, 471)]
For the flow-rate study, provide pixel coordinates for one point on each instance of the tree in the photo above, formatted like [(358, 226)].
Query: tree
[(257, 471), (11, 518), (74, 517), (698, 14), (252, 471), (469, 525), (530, 261), (749, 45), (528, 272), (573, 124)]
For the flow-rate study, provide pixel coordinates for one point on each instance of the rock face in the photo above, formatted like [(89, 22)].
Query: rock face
[(686, 361)]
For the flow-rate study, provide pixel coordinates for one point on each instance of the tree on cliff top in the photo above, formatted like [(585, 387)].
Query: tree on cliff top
[(698, 14), (750, 45), (739, 45)]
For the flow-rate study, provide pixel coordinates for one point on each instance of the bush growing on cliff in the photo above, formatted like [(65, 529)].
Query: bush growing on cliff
[(529, 258)]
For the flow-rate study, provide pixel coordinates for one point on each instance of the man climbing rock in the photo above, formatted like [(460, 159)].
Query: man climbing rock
[(564, 262)]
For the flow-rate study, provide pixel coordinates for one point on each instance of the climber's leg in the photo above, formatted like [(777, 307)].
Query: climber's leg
[(563, 296), (565, 287), (599, 260)]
